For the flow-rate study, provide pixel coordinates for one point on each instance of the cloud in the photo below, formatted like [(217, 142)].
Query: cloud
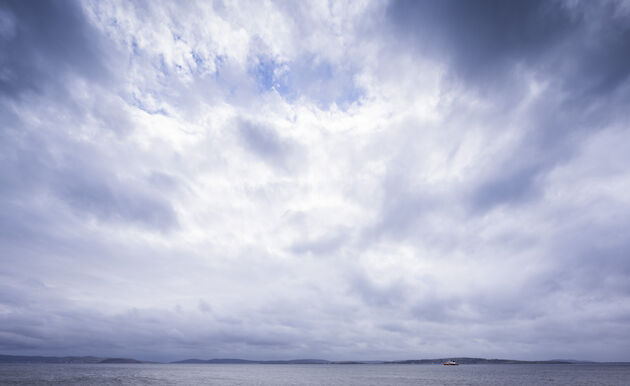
[(503, 50), (265, 143), (487, 41), (107, 202), (276, 180), (48, 41), (323, 245)]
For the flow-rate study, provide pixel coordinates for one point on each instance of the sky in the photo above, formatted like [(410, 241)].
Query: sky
[(310, 179)]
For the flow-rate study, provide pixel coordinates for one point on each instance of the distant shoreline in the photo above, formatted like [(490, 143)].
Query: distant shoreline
[(461, 360)]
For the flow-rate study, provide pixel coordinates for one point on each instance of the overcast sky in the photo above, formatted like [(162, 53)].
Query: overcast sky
[(339, 180)]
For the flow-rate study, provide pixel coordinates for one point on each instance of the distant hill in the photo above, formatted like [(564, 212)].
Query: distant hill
[(574, 361), (218, 361), (70, 359), (245, 361), (476, 361), (436, 361), (120, 360), (461, 360)]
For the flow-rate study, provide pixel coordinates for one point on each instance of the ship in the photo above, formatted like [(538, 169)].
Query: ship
[(450, 363)]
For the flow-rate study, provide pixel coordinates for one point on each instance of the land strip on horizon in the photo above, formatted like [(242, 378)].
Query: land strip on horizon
[(119, 360)]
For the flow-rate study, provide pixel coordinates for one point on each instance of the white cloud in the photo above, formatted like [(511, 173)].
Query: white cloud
[(285, 179)]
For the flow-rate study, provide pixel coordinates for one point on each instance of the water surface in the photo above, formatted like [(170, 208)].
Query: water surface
[(311, 375)]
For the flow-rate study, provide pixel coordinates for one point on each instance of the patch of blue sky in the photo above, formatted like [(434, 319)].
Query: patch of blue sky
[(349, 96), (307, 77), (135, 49), (197, 58), (332, 84), (270, 75), (325, 83), (219, 61)]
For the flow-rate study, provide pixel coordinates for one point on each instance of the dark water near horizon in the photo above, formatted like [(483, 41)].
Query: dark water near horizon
[(311, 375)]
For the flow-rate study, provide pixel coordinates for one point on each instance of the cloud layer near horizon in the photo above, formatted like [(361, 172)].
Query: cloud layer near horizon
[(361, 180)]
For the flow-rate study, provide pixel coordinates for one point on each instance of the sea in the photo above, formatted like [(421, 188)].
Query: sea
[(312, 375)]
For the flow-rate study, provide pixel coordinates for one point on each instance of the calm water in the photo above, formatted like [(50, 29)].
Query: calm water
[(303, 375)]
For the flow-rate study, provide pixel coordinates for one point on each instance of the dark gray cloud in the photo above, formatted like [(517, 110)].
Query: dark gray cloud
[(43, 321), (482, 40), (485, 41), (49, 46), (507, 186), (98, 194), (580, 50), (379, 295), (43, 41), (39, 165), (55, 176), (598, 255)]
